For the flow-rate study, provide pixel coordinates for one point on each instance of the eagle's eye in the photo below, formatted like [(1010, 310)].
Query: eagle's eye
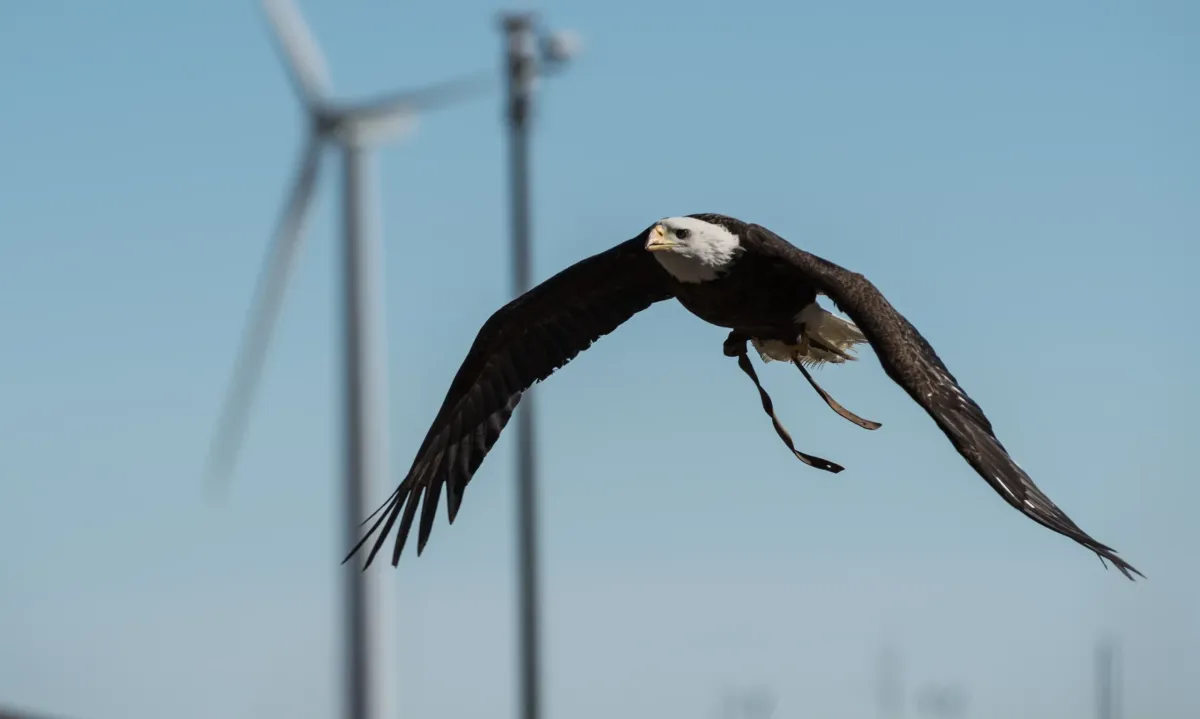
[(682, 234)]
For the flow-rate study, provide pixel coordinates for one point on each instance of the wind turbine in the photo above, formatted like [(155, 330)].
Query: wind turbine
[(353, 127)]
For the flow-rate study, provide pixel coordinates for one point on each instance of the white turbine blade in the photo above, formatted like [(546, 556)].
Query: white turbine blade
[(305, 63), (272, 283), (413, 101), (376, 130)]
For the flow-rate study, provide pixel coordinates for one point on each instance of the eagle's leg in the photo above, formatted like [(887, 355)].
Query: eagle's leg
[(735, 346), (735, 343)]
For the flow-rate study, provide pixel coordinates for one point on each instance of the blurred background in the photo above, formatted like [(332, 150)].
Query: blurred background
[(1021, 180)]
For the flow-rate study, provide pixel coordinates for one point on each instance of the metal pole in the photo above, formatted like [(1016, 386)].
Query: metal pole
[(1106, 670), (521, 72), (367, 681)]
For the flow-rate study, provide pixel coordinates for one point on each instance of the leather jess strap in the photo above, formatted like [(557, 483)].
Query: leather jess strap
[(769, 408)]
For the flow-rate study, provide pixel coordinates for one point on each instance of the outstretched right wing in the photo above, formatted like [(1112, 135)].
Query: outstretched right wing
[(910, 361), (523, 342)]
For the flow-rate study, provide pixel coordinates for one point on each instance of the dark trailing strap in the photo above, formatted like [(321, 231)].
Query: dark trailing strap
[(833, 403), (769, 408)]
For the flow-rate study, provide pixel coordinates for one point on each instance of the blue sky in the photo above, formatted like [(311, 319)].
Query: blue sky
[(1020, 179)]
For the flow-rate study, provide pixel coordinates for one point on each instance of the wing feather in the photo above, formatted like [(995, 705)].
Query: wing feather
[(521, 343), (910, 361)]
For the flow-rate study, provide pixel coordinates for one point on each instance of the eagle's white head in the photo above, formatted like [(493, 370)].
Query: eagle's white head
[(691, 249)]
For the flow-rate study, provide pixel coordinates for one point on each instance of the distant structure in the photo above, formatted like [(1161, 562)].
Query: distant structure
[(890, 693), (14, 714), (368, 677), (947, 701), (751, 703), (1107, 679)]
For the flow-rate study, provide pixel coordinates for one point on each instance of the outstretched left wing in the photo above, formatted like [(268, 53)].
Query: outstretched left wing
[(522, 343), (914, 365)]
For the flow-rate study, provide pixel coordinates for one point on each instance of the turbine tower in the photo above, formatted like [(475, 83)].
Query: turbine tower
[(368, 678)]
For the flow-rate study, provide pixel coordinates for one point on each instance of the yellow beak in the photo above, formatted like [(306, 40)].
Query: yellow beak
[(658, 240)]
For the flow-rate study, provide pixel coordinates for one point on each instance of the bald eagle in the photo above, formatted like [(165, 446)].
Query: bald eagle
[(731, 274)]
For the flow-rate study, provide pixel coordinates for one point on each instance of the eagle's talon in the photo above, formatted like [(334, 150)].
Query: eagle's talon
[(735, 344)]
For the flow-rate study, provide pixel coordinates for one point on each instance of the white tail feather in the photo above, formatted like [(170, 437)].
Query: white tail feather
[(824, 327)]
